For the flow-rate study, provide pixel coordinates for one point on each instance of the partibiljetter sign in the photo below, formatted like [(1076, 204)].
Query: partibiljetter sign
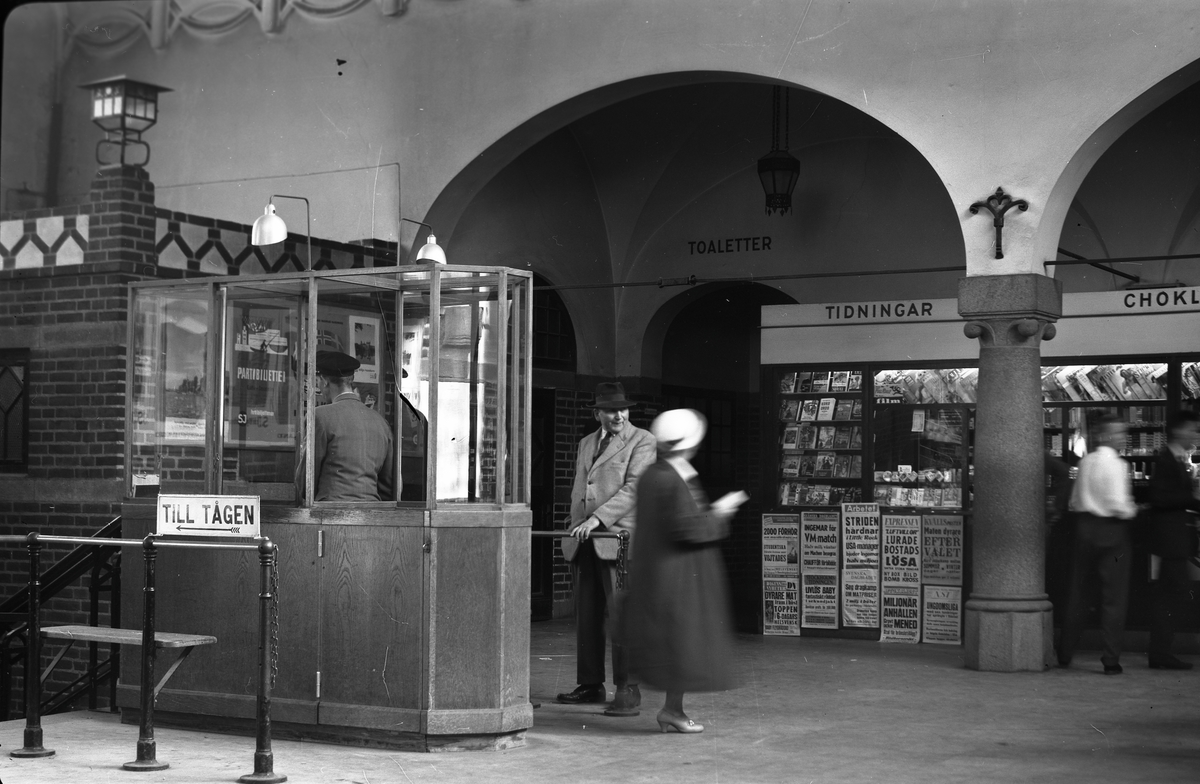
[(232, 516)]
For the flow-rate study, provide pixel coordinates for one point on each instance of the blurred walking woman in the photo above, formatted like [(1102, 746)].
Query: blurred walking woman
[(676, 621)]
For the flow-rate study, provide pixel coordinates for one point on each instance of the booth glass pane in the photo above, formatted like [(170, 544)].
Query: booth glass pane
[(1066, 383), (414, 394), (169, 390), (468, 410), (356, 315), (944, 386), (518, 366), (263, 384)]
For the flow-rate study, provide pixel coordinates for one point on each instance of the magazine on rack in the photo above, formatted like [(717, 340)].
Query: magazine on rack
[(808, 410), (827, 407)]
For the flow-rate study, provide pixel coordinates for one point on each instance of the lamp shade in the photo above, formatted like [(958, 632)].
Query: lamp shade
[(269, 228), (430, 251), (778, 170)]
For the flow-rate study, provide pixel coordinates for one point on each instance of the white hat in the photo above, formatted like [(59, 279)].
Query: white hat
[(679, 429)]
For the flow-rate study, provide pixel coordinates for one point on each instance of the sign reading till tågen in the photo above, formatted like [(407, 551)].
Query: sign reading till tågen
[(208, 515)]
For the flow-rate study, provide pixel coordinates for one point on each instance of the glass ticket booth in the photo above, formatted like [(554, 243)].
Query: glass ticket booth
[(222, 397)]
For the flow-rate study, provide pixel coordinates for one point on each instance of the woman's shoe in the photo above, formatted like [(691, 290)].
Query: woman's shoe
[(681, 723)]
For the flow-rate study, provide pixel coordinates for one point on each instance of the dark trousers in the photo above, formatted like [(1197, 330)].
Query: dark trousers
[(595, 591), (1102, 546), (1171, 596)]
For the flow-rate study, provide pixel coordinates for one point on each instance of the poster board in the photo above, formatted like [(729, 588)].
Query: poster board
[(780, 565), (819, 554), (942, 549), (860, 598), (942, 615)]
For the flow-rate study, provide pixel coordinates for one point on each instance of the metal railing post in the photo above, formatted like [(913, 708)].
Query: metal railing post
[(146, 747), (33, 660), (264, 758)]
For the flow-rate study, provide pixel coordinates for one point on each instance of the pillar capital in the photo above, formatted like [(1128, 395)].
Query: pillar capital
[(1023, 296)]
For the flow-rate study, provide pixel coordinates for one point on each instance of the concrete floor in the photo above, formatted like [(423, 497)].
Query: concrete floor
[(807, 710)]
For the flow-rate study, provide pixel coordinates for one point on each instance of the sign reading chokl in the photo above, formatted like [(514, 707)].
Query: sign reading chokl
[(208, 515)]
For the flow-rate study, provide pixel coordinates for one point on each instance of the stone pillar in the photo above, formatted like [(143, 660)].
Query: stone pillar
[(1009, 621)]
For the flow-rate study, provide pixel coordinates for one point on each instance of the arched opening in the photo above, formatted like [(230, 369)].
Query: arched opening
[(710, 362)]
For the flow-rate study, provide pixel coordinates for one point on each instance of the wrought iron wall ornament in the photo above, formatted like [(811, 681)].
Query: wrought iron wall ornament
[(998, 204)]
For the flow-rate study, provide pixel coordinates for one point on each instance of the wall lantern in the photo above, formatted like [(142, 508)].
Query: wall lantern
[(430, 251), (123, 108), (269, 228), (779, 169)]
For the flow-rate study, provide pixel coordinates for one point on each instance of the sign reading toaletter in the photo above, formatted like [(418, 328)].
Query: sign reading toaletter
[(208, 515)]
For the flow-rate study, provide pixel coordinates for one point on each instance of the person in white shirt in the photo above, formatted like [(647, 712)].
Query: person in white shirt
[(1102, 501)]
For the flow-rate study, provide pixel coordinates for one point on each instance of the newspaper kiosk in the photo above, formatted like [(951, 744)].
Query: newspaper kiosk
[(401, 622)]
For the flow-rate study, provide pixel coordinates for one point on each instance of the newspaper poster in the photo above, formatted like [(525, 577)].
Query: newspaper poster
[(820, 600), (902, 550), (860, 536), (942, 549), (901, 614), (780, 545), (860, 598), (942, 615), (819, 541), (781, 606)]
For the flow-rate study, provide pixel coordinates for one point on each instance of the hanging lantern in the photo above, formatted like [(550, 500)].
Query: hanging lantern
[(779, 170)]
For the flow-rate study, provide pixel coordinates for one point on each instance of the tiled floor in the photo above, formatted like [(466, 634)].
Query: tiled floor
[(807, 710)]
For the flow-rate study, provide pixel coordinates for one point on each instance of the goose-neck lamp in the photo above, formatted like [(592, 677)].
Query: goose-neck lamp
[(269, 228), (430, 251)]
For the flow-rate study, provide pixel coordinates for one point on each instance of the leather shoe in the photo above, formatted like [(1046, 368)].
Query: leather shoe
[(582, 694), (625, 702), (1168, 662), (680, 722), (1113, 669)]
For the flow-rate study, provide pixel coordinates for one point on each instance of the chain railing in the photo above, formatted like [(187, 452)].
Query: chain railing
[(146, 746)]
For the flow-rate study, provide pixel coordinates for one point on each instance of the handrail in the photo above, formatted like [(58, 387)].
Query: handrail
[(67, 570), (622, 548), (146, 746)]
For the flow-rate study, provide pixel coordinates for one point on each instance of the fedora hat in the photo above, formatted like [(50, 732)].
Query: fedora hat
[(336, 363), (611, 394)]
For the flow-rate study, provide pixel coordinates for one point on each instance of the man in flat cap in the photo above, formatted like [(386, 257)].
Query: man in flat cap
[(353, 452), (607, 466)]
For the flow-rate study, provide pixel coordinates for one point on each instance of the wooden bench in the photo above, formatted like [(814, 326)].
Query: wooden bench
[(106, 635)]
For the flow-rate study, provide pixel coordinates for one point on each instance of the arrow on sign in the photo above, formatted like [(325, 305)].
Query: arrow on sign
[(204, 528)]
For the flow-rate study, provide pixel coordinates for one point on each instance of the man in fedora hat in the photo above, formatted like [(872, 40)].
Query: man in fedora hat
[(353, 453), (607, 466)]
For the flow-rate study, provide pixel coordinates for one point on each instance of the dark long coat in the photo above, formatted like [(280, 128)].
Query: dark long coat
[(675, 622), (1173, 503)]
